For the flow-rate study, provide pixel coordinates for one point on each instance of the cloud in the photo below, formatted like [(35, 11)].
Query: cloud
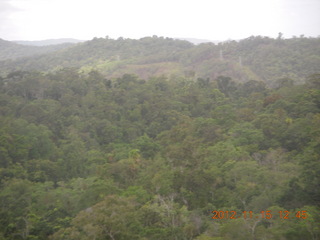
[(5, 6), (6, 24), (209, 19)]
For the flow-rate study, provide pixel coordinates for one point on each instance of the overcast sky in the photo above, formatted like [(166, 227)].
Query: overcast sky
[(203, 19)]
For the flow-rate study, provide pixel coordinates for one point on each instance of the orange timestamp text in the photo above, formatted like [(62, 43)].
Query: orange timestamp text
[(263, 214)]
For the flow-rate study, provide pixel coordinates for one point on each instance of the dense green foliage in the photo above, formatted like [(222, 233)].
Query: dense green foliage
[(88, 157)]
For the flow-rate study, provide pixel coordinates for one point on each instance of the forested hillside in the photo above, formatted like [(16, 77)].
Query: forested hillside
[(12, 51), (160, 139), (85, 157), (255, 58)]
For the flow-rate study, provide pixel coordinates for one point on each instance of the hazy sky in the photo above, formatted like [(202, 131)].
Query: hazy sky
[(204, 19)]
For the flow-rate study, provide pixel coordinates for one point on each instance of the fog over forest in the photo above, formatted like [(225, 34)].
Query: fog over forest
[(149, 120), (159, 138)]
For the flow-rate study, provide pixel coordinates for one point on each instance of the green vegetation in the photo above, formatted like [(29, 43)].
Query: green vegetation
[(255, 58), (88, 156)]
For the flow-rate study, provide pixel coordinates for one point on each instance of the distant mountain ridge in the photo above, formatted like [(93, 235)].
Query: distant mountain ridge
[(12, 50), (49, 42)]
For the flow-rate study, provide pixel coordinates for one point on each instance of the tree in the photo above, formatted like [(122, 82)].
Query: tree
[(113, 218), (226, 85), (15, 213), (313, 81)]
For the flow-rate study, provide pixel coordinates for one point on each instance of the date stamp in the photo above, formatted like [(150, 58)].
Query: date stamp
[(263, 214)]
